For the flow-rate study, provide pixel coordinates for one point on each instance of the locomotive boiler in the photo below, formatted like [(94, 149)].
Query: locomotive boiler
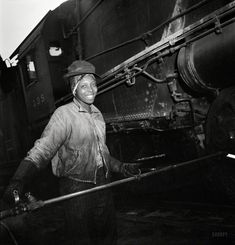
[(167, 87)]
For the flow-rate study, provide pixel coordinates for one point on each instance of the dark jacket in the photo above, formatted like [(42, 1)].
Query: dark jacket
[(74, 140)]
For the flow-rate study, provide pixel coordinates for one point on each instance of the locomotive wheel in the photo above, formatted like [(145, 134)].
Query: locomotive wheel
[(220, 136)]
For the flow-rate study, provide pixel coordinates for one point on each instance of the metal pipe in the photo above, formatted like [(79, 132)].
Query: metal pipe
[(134, 178), (150, 158), (39, 204)]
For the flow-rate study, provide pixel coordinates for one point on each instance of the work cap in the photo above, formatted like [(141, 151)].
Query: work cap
[(79, 67)]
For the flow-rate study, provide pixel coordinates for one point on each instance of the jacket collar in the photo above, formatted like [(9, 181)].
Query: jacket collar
[(82, 109)]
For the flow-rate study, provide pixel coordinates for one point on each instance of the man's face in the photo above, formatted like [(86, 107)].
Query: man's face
[(86, 89)]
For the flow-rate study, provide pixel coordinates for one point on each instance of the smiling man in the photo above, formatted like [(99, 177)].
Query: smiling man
[(74, 142)]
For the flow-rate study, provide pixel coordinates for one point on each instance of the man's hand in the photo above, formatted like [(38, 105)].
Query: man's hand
[(130, 169), (23, 175), (13, 191)]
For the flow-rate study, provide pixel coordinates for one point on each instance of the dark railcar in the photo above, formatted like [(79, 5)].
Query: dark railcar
[(163, 65)]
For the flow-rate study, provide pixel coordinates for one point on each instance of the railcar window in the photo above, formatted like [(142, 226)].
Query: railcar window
[(29, 71)]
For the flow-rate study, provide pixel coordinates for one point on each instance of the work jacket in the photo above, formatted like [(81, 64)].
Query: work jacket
[(73, 140)]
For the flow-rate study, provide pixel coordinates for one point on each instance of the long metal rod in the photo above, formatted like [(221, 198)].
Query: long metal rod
[(39, 204), (134, 178), (142, 159)]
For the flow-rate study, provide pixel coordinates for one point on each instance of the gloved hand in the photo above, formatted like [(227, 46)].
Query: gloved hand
[(130, 169), (14, 188), (23, 175)]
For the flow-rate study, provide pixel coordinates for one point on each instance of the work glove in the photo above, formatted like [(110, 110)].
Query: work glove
[(23, 175), (130, 169), (12, 192)]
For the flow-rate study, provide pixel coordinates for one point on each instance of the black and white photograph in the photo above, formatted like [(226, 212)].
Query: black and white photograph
[(117, 122)]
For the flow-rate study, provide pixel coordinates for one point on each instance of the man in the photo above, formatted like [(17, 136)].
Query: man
[(74, 142)]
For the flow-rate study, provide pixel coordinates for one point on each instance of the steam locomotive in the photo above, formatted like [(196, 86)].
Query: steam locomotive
[(166, 92)]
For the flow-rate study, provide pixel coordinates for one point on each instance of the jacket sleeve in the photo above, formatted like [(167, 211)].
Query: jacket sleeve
[(115, 165), (51, 139)]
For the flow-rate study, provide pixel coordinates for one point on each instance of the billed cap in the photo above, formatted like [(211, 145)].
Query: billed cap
[(79, 67)]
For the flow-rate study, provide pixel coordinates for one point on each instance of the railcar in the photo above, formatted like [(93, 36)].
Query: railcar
[(166, 88)]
